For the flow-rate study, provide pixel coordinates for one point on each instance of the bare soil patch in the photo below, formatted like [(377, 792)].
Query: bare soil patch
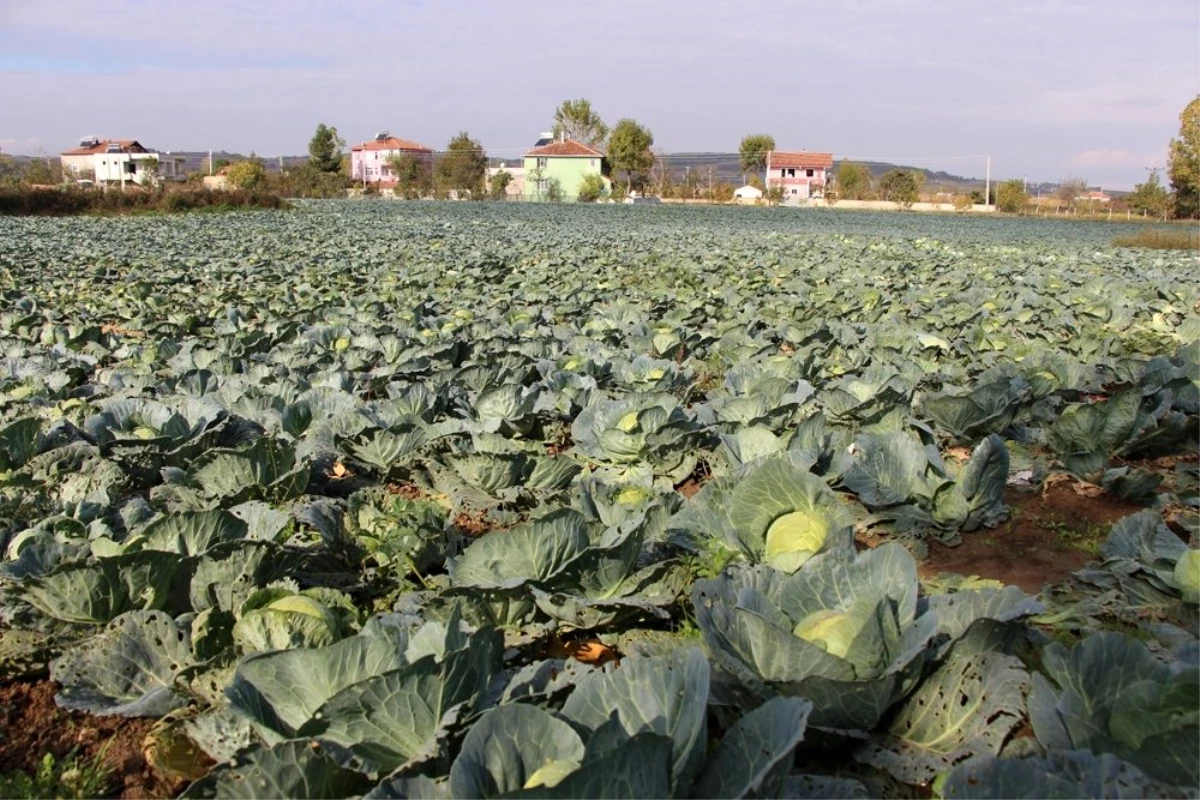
[(33, 725), (1051, 534)]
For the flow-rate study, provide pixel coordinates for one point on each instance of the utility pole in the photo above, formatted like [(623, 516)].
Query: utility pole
[(987, 186), (210, 163)]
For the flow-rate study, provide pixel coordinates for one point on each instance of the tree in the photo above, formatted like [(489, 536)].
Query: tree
[(753, 152), (1150, 197), (325, 149), (1183, 163), (629, 151), (499, 184), (591, 189), (150, 173), (900, 186), (774, 195), (1011, 196), (576, 120), (414, 178), (853, 181), (43, 172), (462, 169), (247, 175), (1070, 190)]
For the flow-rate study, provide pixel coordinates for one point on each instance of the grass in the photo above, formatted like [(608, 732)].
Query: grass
[(68, 778), (1087, 538), (1159, 239)]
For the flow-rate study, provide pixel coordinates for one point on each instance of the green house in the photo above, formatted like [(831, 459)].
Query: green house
[(556, 170)]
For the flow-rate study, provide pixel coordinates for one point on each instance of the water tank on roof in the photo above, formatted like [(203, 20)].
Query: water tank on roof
[(89, 141), (114, 147), (379, 137)]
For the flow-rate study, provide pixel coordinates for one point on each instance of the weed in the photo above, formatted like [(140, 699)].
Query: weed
[(1086, 538), (71, 778), (1158, 239)]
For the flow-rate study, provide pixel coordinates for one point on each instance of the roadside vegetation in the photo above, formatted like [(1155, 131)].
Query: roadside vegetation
[(1161, 239), (52, 201)]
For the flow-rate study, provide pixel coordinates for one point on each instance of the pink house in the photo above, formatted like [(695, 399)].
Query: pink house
[(800, 173), (369, 160)]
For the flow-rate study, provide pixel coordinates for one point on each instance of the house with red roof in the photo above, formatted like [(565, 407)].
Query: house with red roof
[(556, 170), (800, 173), (369, 160), (121, 161)]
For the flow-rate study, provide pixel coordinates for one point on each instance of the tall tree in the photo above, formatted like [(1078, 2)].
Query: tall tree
[(463, 167), (853, 181), (1183, 162), (753, 152), (629, 151), (576, 120), (325, 149), (1150, 197)]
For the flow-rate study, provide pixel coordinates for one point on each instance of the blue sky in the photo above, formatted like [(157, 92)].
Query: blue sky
[(1048, 88)]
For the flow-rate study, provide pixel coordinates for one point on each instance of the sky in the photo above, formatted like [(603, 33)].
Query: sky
[(1049, 89)]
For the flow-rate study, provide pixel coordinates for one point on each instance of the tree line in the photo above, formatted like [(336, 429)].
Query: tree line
[(460, 170)]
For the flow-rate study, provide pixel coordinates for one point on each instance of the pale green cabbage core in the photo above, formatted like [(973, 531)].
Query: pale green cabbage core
[(551, 774), (794, 538), (628, 423), (1187, 575), (834, 631)]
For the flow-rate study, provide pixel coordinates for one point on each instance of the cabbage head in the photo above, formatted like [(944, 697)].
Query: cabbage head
[(843, 631)]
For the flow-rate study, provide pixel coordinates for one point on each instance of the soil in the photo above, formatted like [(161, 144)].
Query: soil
[(473, 523), (33, 725), (695, 482), (406, 490), (1050, 535)]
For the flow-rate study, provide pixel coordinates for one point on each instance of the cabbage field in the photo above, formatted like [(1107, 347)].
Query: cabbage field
[(480, 500)]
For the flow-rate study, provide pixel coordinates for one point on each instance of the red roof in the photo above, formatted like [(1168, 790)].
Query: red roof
[(799, 159), (569, 148), (127, 146), (392, 143)]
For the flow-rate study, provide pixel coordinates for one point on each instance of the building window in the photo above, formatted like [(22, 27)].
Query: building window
[(542, 163), (809, 173)]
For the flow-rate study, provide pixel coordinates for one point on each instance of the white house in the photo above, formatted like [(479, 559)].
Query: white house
[(369, 160), (121, 161)]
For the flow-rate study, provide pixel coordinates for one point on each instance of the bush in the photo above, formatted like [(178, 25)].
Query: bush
[(591, 189), (963, 203), (247, 175), (59, 202), (900, 186), (1011, 196)]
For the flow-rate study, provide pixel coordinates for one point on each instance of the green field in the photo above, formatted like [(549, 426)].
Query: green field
[(471, 500)]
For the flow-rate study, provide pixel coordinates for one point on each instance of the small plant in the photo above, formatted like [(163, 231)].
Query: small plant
[(69, 778), (1086, 539)]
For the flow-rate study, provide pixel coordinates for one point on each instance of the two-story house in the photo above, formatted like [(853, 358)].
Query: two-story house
[(111, 162), (369, 160), (799, 173), (556, 170)]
